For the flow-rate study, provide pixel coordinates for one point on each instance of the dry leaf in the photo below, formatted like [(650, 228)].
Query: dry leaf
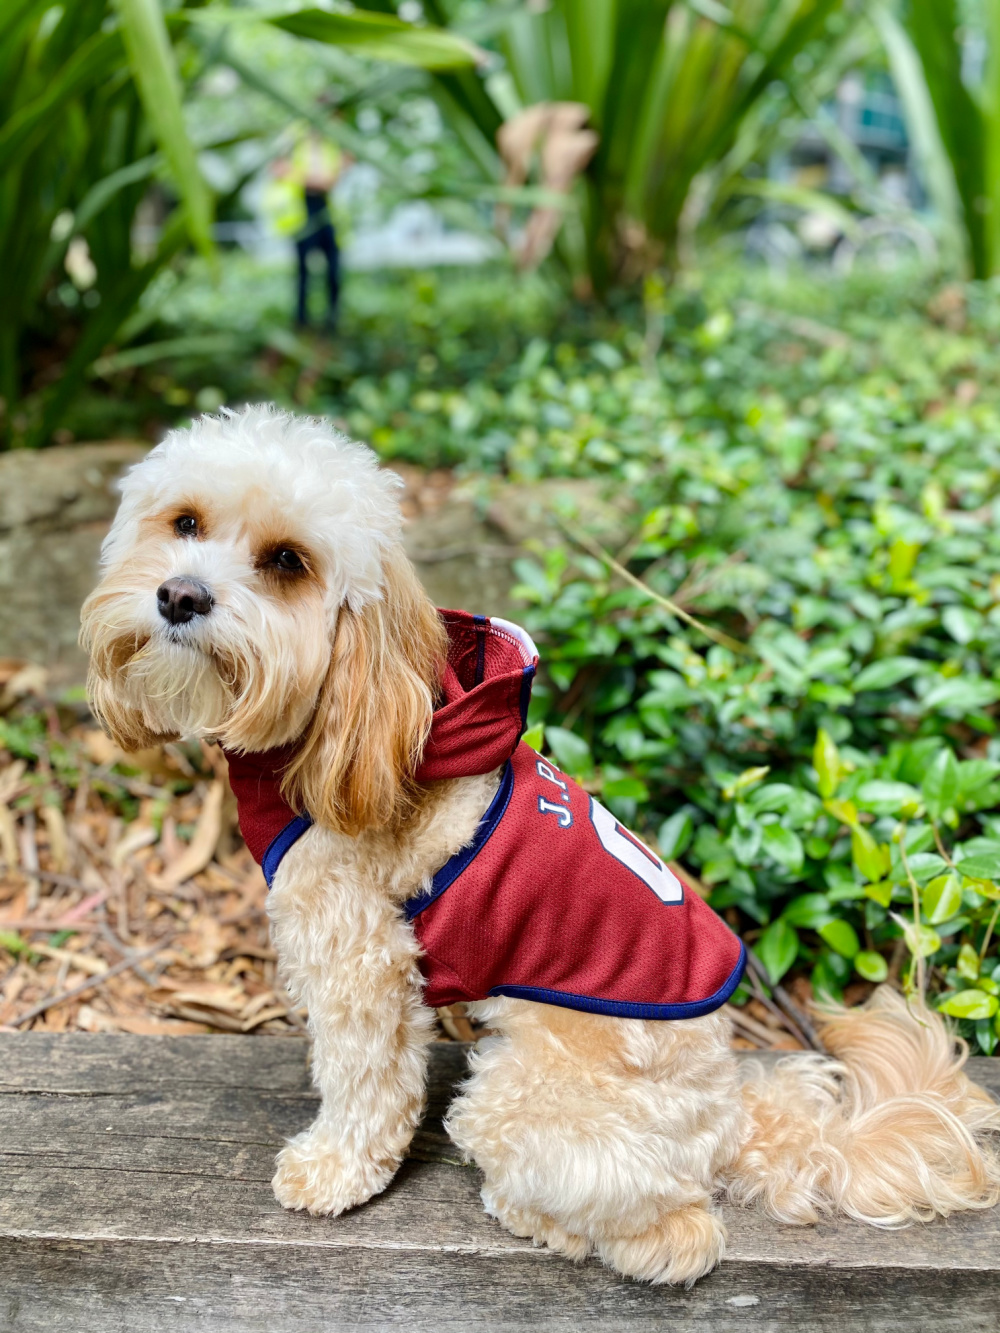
[(199, 850), (84, 962), (55, 827), (92, 1020), (203, 941), (10, 780), (20, 679), (136, 837), (265, 1016), (229, 999), (101, 749), (8, 839)]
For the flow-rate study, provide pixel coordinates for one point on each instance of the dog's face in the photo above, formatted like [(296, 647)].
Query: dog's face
[(254, 590)]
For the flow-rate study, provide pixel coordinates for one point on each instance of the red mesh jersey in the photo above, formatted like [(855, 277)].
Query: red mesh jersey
[(553, 900)]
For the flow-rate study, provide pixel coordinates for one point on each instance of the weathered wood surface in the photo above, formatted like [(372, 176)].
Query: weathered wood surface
[(135, 1196)]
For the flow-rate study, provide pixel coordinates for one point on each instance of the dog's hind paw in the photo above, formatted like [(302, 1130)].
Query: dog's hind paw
[(681, 1247), (318, 1177), (536, 1227)]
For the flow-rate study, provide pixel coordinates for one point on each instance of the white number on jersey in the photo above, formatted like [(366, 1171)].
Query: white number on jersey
[(650, 869)]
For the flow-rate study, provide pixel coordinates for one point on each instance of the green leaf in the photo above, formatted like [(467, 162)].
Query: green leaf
[(942, 898), (967, 963), (811, 910), (961, 622), (381, 36), (631, 789), (841, 936), (777, 949), (960, 694), (869, 857), (675, 835), (13, 943), (986, 888), (985, 865), (783, 846), (970, 1004), (845, 811), (535, 736), (745, 843), (974, 774), (872, 966), (923, 866), (747, 779), (826, 761), (940, 786), (152, 60), (880, 892), (882, 675), (889, 798), (572, 753), (921, 941)]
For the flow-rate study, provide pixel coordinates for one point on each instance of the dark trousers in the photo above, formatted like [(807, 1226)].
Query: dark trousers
[(324, 239)]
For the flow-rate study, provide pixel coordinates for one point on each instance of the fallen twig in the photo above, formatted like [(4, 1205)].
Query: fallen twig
[(596, 549), (794, 1018), (750, 1025), (93, 984)]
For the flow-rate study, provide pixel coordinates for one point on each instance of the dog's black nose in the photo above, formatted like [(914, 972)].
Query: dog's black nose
[(180, 600)]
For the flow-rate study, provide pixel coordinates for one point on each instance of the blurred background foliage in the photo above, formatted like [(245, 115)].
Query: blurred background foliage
[(701, 290)]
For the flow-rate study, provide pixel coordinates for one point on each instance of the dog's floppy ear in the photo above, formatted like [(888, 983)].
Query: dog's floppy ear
[(352, 769)]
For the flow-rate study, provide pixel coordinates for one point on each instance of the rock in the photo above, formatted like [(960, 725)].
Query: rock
[(541, 509), (55, 507), (462, 560)]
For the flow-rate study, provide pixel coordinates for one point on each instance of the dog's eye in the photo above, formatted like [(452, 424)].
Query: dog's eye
[(286, 558), (186, 526)]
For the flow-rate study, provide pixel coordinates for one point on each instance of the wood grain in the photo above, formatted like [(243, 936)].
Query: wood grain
[(136, 1196)]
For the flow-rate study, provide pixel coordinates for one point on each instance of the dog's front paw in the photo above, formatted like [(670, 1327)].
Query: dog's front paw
[(316, 1175)]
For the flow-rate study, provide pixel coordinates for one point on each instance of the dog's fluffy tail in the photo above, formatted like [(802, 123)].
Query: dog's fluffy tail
[(889, 1131)]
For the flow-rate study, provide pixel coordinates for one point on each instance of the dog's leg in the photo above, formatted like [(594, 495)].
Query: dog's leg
[(600, 1135), (345, 953)]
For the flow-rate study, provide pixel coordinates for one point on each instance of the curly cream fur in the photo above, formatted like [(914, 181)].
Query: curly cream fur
[(594, 1135)]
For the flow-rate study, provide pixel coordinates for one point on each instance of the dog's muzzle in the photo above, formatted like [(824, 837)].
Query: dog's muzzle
[(180, 600)]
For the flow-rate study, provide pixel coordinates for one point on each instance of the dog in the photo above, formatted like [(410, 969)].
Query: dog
[(255, 591)]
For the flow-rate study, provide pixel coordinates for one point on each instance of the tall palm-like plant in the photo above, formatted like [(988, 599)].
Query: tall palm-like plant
[(668, 84), (948, 75), (90, 116)]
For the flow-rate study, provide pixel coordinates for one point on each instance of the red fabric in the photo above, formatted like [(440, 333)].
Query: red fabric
[(554, 900), (485, 692), (256, 783), (544, 906)]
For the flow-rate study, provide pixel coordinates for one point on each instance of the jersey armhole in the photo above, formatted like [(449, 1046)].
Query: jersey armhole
[(454, 866)]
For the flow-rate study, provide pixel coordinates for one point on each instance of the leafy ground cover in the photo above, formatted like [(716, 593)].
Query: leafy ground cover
[(825, 494)]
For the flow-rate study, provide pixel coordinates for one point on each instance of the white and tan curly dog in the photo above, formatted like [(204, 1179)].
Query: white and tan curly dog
[(255, 591)]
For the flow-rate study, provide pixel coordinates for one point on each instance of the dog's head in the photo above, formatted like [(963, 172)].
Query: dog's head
[(255, 590)]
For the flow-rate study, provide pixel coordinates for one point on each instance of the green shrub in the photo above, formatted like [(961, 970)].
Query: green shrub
[(836, 784)]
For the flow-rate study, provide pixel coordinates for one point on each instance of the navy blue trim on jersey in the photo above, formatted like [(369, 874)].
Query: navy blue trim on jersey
[(629, 1008), (527, 676), (454, 866), (280, 844)]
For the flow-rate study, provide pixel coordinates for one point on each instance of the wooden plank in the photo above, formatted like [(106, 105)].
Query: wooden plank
[(136, 1195)]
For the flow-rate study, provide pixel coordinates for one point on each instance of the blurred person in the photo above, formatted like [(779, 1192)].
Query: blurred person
[(299, 200)]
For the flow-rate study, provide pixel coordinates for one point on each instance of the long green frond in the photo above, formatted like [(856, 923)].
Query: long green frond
[(382, 36), (155, 72)]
